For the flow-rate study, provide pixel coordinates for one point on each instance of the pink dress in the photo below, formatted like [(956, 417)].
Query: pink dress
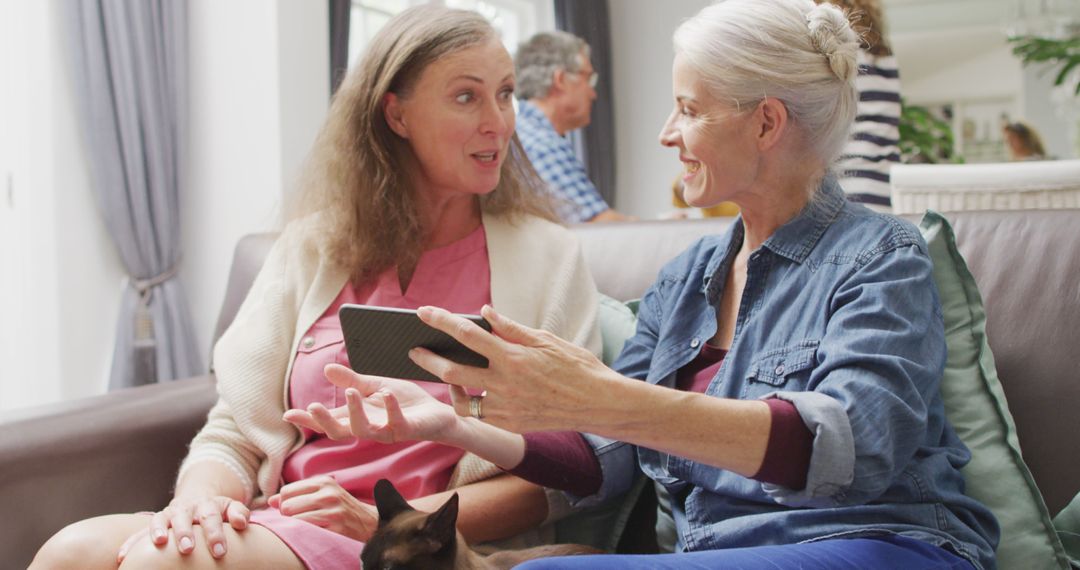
[(457, 277)]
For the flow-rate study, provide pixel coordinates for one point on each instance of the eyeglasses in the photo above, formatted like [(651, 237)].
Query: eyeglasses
[(593, 77)]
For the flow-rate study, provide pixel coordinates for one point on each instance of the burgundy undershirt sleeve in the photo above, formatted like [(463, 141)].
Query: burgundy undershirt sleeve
[(560, 460), (787, 457)]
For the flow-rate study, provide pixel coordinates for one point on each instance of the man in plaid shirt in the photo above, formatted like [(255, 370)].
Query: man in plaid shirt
[(555, 88)]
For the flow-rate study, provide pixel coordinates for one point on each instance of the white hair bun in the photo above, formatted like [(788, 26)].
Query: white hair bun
[(832, 36)]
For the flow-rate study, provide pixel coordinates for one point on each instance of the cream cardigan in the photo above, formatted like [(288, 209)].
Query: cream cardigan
[(538, 278)]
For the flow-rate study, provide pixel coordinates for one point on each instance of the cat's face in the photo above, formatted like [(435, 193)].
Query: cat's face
[(409, 539)]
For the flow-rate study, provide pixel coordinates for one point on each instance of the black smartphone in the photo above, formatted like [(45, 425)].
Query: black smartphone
[(378, 341)]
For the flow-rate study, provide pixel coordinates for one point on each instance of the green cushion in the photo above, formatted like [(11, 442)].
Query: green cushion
[(1067, 523), (617, 323), (975, 404)]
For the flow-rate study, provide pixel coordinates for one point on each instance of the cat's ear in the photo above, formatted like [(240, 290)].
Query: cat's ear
[(442, 524), (389, 502)]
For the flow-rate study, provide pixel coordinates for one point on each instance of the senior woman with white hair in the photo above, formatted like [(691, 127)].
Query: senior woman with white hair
[(783, 384)]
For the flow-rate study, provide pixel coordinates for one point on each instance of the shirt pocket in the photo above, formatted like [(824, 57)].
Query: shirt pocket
[(786, 368), (308, 384)]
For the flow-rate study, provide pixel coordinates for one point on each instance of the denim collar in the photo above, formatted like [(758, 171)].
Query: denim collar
[(793, 240), (797, 238)]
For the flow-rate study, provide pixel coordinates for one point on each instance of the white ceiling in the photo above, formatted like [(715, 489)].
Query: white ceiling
[(922, 54), (930, 35)]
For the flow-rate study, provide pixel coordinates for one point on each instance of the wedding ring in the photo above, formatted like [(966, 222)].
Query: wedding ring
[(475, 407)]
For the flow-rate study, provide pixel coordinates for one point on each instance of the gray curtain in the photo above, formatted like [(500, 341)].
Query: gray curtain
[(130, 64), (595, 144), (339, 41)]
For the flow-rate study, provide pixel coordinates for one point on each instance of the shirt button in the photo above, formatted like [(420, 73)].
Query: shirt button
[(695, 343), (780, 370), (308, 342)]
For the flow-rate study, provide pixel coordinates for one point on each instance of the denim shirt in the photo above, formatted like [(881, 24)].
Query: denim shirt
[(839, 316)]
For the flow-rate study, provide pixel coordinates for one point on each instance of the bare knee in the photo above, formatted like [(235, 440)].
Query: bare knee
[(255, 547), (145, 554), (84, 544)]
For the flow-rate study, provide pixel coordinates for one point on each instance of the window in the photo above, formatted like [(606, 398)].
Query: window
[(515, 20), (365, 19)]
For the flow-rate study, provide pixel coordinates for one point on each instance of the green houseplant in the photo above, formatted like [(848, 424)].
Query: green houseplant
[(924, 137), (1064, 52)]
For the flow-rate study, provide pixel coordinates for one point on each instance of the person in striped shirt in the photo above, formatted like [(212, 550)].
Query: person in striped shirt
[(875, 137)]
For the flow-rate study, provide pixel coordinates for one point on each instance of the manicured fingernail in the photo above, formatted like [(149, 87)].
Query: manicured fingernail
[(186, 544), (219, 550)]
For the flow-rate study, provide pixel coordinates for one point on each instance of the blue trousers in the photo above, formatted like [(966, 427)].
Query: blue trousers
[(880, 553)]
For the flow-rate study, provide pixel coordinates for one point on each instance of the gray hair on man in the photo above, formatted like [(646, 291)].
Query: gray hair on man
[(538, 58)]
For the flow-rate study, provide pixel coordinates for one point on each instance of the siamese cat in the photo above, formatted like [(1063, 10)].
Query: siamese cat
[(410, 539)]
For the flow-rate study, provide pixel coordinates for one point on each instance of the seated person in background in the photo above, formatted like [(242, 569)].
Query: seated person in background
[(874, 145), (1023, 141), (416, 192), (556, 89), (783, 383)]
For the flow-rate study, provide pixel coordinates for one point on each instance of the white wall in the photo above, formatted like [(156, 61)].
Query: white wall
[(10, 273), (303, 80), (641, 33), (259, 90), (1042, 114), (995, 74), (64, 272), (28, 312)]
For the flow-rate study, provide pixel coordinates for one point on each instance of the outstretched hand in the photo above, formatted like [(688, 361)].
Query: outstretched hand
[(385, 410), (535, 381)]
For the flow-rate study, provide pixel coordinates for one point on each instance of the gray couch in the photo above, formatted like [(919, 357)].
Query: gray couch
[(119, 452)]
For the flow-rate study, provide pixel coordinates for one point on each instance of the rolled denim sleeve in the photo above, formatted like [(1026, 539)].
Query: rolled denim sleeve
[(832, 460), (618, 467), (879, 370)]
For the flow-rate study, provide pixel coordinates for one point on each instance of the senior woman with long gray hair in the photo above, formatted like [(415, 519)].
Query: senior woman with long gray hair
[(783, 383)]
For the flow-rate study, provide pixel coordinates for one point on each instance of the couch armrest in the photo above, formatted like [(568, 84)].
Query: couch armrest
[(115, 453)]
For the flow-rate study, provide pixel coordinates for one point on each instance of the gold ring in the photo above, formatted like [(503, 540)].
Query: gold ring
[(476, 407)]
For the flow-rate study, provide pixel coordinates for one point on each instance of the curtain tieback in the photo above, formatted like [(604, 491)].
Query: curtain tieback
[(144, 321), (143, 286)]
